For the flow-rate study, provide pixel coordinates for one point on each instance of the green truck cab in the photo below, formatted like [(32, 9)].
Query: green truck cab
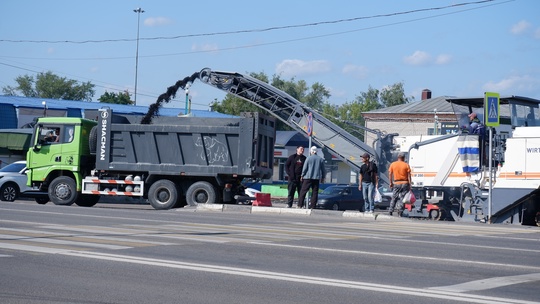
[(59, 157)]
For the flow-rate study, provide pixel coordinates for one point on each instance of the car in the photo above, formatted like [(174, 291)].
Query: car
[(341, 197), (386, 194), (13, 181)]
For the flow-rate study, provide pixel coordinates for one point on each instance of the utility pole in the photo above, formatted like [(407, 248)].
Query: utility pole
[(138, 11)]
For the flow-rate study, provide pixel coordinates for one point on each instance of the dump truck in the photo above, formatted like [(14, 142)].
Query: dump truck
[(172, 162)]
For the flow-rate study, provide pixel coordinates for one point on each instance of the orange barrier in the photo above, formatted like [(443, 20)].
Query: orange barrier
[(262, 200)]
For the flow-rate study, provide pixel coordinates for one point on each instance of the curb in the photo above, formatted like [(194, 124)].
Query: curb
[(289, 211)]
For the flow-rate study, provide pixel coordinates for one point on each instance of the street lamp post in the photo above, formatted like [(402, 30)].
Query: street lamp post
[(138, 11), (44, 103), (187, 100), (436, 126)]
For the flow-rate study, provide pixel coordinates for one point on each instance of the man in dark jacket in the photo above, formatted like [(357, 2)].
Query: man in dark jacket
[(368, 181), (293, 166)]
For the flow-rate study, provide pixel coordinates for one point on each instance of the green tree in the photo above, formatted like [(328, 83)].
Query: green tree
[(117, 98), (394, 95), (49, 85)]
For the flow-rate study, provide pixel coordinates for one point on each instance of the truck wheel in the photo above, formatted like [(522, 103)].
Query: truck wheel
[(163, 194), (42, 200), (9, 192), (87, 200), (63, 191), (435, 214), (201, 193)]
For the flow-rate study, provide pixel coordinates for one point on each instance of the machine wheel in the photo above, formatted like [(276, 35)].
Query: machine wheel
[(42, 200), (163, 194), (435, 214), (335, 207), (87, 200), (9, 192), (63, 191), (201, 193)]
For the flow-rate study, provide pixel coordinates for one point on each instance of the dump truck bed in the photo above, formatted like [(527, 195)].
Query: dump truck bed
[(189, 146)]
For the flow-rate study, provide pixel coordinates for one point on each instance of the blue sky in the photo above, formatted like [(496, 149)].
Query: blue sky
[(453, 50)]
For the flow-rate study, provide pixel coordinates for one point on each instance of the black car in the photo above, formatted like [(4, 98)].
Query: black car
[(341, 198)]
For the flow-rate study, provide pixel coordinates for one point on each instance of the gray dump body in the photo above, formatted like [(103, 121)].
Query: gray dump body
[(188, 146)]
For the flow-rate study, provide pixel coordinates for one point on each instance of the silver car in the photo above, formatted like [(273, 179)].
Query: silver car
[(13, 181)]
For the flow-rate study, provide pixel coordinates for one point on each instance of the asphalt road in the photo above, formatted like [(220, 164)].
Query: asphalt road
[(133, 254)]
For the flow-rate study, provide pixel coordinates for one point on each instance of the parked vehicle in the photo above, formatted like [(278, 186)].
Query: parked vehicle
[(13, 181), (341, 198), (188, 160), (386, 194)]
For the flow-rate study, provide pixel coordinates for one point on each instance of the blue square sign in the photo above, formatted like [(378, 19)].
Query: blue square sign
[(491, 107)]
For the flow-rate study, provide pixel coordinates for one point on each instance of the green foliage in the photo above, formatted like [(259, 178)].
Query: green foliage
[(49, 85), (120, 98), (394, 95)]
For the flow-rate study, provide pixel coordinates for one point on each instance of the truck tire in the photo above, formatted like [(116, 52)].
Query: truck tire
[(92, 140), (87, 200), (42, 200), (163, 194), (9, 192), (201, 193), (63, 191)]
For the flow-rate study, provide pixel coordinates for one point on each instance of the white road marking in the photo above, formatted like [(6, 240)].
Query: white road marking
[(31, 248), (417, 292), (392, 255), (490, 283)]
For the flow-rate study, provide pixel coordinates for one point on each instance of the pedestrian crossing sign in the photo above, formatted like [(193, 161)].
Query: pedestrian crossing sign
[(491, 109)]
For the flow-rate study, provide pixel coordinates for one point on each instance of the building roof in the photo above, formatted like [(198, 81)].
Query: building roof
[(443, 104), (426, 106), (56, 104), (290, 138)]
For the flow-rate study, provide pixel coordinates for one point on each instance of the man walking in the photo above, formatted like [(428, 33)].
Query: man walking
[(313, 172), (294, 166), (368, 180), (400, 182)]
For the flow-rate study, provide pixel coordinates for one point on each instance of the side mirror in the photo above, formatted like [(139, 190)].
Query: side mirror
[(37, 146)]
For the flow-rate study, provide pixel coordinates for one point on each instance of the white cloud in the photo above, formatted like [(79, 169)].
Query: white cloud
[(424, 58), (355, 70), (520, 27), (443, 59), (209, 47), (513, 85), (50, 50), (157, 21), (295, 67), (418, 58)]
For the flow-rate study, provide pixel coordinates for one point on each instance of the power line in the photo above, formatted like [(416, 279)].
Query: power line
[(255, 30), (268, 43)]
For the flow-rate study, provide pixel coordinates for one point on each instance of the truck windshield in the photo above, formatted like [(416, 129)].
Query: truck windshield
[(524, 115)]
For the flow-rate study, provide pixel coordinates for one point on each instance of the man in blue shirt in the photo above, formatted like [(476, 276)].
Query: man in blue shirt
[(313, 172)]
